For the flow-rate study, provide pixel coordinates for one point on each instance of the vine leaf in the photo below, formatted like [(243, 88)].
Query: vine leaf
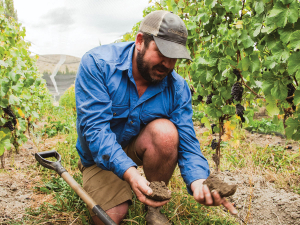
[(297, 97), (279, 90), (271, 107), (292, 125), (259, 7), (293, 63), (4, 142), (295, 40), (206, 122)]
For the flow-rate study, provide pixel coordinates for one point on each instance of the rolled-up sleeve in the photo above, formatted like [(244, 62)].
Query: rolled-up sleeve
[(192, 163), (94, 113)]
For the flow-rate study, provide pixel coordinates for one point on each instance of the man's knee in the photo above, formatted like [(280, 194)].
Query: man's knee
[(164, 135)]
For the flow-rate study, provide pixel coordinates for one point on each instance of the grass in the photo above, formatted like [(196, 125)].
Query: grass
[(63, 206)]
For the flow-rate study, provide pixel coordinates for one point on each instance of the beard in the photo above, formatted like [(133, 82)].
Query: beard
[(148, 73)]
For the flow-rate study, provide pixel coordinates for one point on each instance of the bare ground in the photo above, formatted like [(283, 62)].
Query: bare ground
[(257, 200)]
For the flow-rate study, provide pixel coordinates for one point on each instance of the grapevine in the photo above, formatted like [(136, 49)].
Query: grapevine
[(22, 90), (241, 50)]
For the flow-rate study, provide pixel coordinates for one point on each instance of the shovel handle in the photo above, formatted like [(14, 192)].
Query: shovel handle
[(57, 167)]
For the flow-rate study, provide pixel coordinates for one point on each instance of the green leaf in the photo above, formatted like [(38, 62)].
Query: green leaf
[(293, 63), (206, 122), (2, 63), (292, 125), (279, 90), (13, 100), (286, 1), (285, 34), (295, 40), (259, 7), (209, 75), (248, 42), (245, 63), (293, 13), (280, 52), (255, 63), (297, 97), (35, 114), (211, 3), (271, 106)]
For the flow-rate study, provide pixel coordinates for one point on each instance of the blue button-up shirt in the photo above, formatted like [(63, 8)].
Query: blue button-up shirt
[(110, 112)]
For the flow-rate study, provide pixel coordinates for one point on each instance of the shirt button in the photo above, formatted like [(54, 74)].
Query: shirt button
[(114, 114), (131, 122)]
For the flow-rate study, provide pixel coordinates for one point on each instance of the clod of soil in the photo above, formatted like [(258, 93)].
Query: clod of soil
[(224, 189), (160, 191)]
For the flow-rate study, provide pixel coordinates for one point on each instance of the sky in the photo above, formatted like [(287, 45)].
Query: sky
[(72, 27)]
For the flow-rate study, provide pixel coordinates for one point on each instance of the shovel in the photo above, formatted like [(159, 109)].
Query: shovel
[(57, 167)]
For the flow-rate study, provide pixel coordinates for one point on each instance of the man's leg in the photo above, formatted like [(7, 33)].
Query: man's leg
[(157, 146), (117, 214)]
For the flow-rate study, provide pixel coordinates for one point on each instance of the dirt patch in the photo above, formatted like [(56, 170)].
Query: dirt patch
[(17, 180), (259, 202), (224, 189), (160, 191)]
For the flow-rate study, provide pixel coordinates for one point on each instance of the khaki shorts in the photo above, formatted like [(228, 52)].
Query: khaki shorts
[(106, 188)]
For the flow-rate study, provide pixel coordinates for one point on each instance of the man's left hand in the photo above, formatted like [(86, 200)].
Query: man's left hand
[(203, 195)]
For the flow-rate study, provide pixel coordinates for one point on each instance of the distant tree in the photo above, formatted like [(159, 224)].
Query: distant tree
[(67, 70), (9, 9)]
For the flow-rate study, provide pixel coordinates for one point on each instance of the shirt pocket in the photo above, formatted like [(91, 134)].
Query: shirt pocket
[(120, 111), (153, 111)]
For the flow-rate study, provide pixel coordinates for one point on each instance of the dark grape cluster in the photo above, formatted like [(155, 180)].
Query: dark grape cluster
[(239, 110), (200, 98), (237, 91), (9, 125), (237, 74), (209, 99), (192, 91), (291, 91), (214, 144), (9, 112), (212, 127)]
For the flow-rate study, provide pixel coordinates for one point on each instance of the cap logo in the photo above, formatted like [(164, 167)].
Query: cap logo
[(178, 33)]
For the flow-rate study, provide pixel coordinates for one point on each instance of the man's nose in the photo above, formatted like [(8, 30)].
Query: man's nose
[(169, 62)]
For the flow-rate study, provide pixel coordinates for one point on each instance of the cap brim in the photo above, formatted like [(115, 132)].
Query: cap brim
[(171, 49)]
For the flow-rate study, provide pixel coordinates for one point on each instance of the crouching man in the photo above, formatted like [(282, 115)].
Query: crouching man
[(133, 109)]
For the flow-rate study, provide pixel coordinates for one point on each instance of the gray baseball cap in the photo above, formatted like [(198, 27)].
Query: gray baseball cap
[(169, 33)]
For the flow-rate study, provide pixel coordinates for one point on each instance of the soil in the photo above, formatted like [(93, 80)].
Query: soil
[(17, 182), (224, 189), (160, 191), (257, 200)]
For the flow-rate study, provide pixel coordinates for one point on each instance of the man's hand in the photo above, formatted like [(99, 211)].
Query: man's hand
[(202, 195), (140, 186)]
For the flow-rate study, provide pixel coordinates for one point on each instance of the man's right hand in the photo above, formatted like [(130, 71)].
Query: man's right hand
[(140, 186)]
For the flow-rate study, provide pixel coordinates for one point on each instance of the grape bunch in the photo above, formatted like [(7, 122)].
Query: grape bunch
[(212, 127), (239, 110), (9, 125), (237, 74), (10, 113), (200, 98), (209, 99), (192, 91), (237, 91), (291, 91), (214, 144)]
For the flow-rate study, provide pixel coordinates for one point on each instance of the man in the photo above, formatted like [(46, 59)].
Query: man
[(134, 109)]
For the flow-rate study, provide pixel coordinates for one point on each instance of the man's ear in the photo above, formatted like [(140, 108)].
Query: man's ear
[(139, 41)]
